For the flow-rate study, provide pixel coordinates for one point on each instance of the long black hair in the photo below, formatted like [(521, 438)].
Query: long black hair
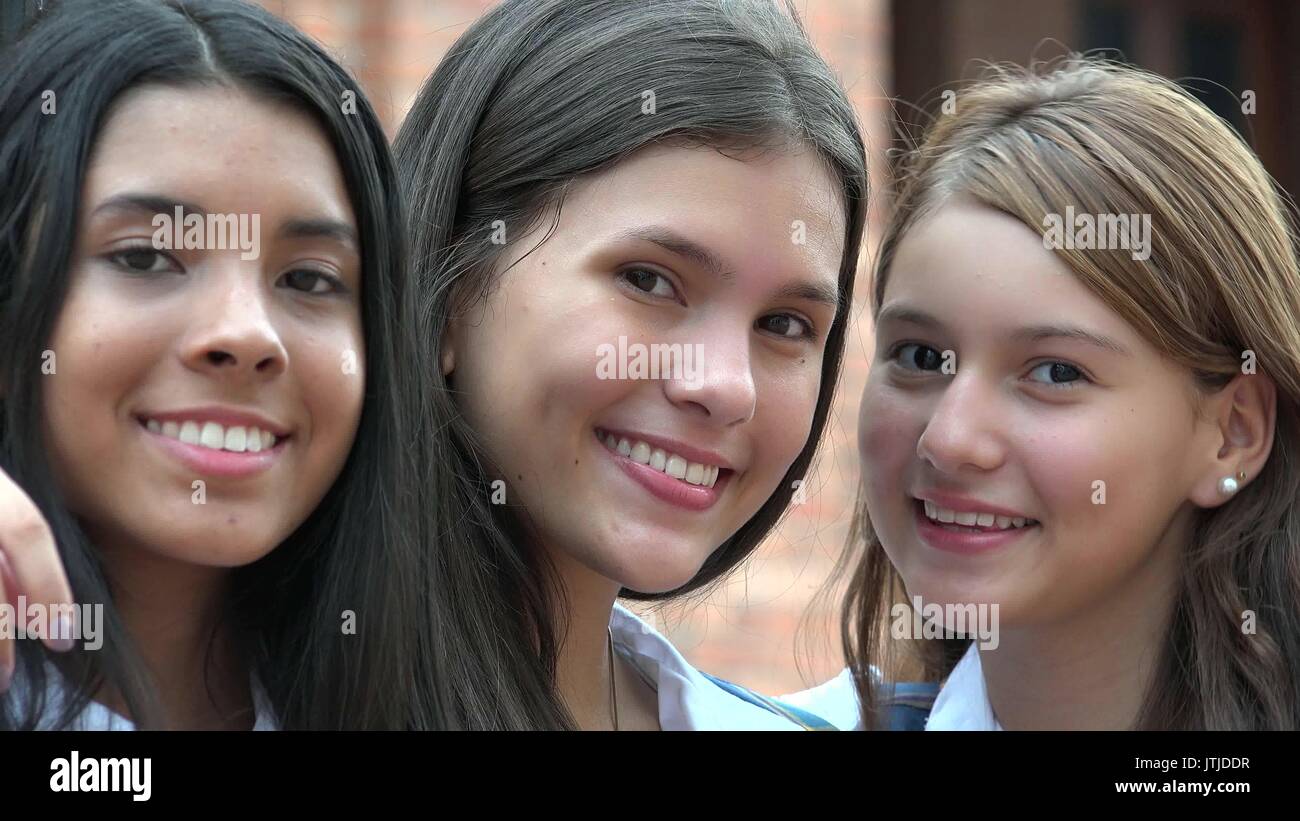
[(534, 95), (362, 548)]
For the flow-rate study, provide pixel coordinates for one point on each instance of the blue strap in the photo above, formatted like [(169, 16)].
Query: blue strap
[(803, 718), (908, 704)]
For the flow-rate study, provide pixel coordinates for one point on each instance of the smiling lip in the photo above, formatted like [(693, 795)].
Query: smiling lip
[(954, 538), (664, 487), (218, 463), (687, 452), (226, 417), (963, 504)]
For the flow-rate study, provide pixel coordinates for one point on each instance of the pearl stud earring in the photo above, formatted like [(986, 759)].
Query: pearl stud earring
[(1228, 485)]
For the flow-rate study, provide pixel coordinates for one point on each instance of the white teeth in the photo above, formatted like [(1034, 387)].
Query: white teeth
[(695, 473), (213, 436), (641, 453), (235, 439), (676, 467), (939, 514)]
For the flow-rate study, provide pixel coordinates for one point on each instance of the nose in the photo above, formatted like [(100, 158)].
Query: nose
[(232, 335), (962, 433), (716, 378)]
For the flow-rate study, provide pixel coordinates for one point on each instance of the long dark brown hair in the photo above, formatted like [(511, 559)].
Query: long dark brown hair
[(362, 549), (536, 94)]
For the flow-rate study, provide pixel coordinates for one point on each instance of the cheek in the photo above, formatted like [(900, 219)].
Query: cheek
[(889, 426), (782, 423), (1110, 470), (331, 375), (94, 360), (527, 381)]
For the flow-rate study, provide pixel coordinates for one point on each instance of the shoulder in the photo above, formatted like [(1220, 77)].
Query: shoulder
[(690, 699), (95, 716), (24, 693)]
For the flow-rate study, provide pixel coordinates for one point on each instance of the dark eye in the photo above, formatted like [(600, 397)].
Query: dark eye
[(786, 325), (912, 356), (651, 283), (311, 282), (143, 260), (1060, 374)]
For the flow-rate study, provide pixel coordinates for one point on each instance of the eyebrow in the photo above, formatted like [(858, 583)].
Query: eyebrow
[(292, 229), (327, 228), (147, 203), (1037, 333), (678, 245), (1031, 333)]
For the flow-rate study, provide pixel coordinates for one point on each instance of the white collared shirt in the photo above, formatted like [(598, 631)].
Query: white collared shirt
[(687, 700), (95, 716), (962, 703)]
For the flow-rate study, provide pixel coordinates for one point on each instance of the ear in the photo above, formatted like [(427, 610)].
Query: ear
[(1245, 412), (447, 345)]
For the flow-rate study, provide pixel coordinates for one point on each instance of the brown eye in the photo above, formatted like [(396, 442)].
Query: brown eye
[(311, 282), (1058, 374), (651, 283), (791, 327), (914, 357), (142, 260)]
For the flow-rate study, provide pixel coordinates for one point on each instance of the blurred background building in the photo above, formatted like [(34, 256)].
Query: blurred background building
[(765, 627)]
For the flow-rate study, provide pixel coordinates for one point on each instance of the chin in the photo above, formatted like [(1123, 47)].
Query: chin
[(660, 573), (216, 543)]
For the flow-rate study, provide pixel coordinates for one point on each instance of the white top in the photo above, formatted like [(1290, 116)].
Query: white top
[(836, 701), (962, 703), (95, 716), (687, 700)]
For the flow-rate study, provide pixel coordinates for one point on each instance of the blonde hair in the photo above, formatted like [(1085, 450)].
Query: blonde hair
[(1221, 280)]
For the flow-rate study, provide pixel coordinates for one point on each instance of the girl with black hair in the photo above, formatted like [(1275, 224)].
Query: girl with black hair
[(209, 380)]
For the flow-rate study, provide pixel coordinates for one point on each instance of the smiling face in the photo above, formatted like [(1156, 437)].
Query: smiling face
[(1055, 404), (674, 246), (203, 402)]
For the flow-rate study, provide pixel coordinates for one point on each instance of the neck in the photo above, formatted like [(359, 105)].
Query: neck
[(582, 675), (1092, 670), (172, 612)]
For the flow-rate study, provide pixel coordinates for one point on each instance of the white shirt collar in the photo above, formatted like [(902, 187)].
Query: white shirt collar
[(963, 702), (835, 700), (687, 700)]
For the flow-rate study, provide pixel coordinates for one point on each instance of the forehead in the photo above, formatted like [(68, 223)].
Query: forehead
[(756, 210), (978, 268), (219, 147)]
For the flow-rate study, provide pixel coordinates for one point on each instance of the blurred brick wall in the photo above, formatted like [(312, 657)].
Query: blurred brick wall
[(759, 627)]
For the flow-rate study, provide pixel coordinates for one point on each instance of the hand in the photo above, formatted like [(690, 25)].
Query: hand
[(29, 566)]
